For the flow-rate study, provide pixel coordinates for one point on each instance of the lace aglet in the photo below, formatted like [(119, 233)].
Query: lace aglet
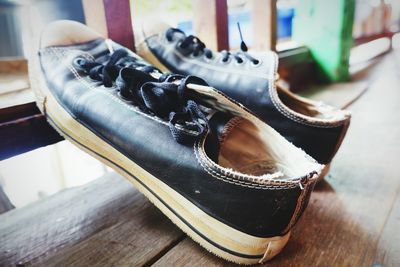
[(243, 46)]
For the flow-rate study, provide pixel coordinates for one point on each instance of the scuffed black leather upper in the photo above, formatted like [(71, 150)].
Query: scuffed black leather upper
[(255, 209), (249, 84)]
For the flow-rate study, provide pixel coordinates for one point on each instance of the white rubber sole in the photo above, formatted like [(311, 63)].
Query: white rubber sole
[(217, 237)]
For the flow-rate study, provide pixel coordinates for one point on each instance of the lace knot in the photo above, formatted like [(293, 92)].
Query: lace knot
[(164, 97)]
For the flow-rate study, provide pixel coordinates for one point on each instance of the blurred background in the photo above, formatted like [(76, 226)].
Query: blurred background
[(357, 31)]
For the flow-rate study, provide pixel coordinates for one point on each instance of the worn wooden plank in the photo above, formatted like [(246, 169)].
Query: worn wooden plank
[(24, 128), (119, 22), (369, 38), (297, 68), (13, 75), (388, 251), (221, 22), (348, 213), (95, 16), (189, 253), (18, 111), (263, 14), (16, 98), (13, 65), (340, 95), (111, 19), (210, 23), (104, 223), (14, 82)]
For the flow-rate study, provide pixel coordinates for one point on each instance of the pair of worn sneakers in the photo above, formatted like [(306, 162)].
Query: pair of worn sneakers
[(207, 157)]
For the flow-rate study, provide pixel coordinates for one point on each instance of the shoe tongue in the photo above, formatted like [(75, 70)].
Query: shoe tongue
[(217, 123)]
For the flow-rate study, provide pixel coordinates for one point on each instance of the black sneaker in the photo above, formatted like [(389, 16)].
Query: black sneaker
[(249, 79), (227, 179)]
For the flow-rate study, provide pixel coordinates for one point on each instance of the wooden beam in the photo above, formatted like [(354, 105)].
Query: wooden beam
[(112, 19), (297, 68), (210, 23), (22, 129), (263, 14), (368, 38), (221, 21), (119, 22), (95, 16)]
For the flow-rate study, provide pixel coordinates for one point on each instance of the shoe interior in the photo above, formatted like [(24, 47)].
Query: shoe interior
[(306, 106), (242, 149), (249, 146), (257, 151)]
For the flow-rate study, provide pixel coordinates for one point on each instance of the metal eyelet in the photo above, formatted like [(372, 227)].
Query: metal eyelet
[(239, 63), (193, 56), (225, 61), (208, 59), (256, 64), (76, 62), (109, 88)]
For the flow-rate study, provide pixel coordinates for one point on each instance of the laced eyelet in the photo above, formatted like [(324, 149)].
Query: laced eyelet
[(77, 62), (256, 63), (207, 59), (169, 39), (112, 88), (222, 61), (194, 56), (239, 62)]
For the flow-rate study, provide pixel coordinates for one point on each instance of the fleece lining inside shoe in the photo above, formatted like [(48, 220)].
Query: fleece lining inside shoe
[(252, 150), (241, 149), (251, 147)]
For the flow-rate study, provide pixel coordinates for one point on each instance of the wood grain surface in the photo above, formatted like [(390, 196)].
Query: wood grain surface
[(104, 223)]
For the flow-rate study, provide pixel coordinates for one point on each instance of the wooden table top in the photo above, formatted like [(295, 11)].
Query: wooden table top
[(352, 219)]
